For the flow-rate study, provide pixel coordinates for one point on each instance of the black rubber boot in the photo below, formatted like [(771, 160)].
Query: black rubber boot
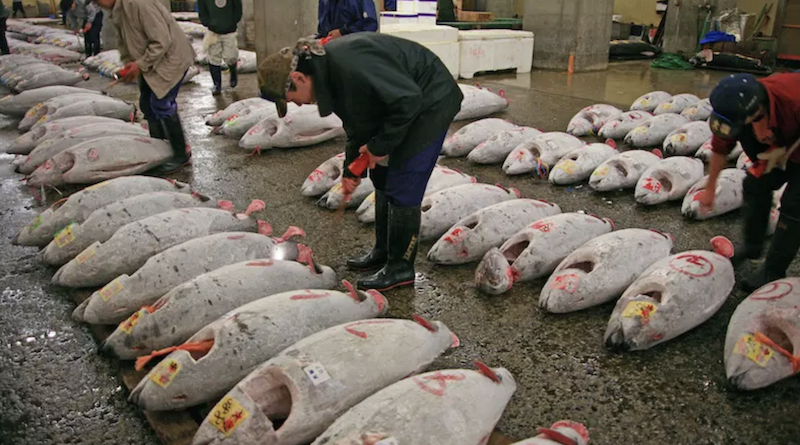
[(234, 76), (782, 251), (403, 234), (376, 258), (216, 76), (155, 128), (756, 221), (173, 130)]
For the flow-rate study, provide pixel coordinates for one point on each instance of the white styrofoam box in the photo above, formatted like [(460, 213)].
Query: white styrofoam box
[(423, 33), (388, 18), (449, 53), (494, 50), (407, 18), (427, 19), (426, 6), (406, 6)]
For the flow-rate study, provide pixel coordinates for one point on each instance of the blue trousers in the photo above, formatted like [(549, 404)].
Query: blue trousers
[(155, 108), (405, 184)]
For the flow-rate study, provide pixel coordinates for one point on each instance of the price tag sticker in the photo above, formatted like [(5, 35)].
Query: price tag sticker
[(641, 309), (85, 256), (165, 372), (127, 325), (227, 415), (640, 130), (97, 186), (602, 171), (753, 349), (65, 236), (109, 290), (317, 373), (567, 165)]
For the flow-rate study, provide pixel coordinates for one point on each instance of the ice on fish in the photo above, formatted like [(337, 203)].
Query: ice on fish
[(686, 140), (546, 149), (301, 127), (729, 195), (589, 120), (700, 111), (652, 132), (480, 102), (622, 171), (470, 136), (668, 180), (650, 101), (621, 125), (578, 165)]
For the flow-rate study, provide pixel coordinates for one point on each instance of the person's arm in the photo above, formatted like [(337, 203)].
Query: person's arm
[(91, 12), (237, 10), (202, 12), (156, 28), (368, 20), (719, 159)]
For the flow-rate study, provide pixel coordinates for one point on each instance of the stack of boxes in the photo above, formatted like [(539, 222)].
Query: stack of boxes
[(422, 12)]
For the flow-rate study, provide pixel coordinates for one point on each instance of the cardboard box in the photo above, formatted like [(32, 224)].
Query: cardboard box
[(475, 16)]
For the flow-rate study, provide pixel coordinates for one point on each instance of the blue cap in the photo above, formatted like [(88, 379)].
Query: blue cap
[(734, 99)]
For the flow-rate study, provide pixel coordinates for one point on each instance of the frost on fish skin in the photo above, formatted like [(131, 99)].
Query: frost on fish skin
[(650, 101), (548, 148), (668, 180), (622, 170), (729, 195), (577, 165), (470, 136)]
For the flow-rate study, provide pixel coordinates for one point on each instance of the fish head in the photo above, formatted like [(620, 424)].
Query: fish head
[(519, 161), (494, 275), (654, 188), (639, 136), (453, 247), (580, 126), (564, 432), (643, 320), (566, 169), (238, 419), (677, 143), (130, 339), (53, 170), (319, 181), (760, 355), (566, 290), (610, 175)]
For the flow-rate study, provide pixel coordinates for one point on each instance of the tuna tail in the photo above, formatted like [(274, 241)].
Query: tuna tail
[(424, 323), (224, 204), (487, 371), (306, 256), (380, 300), (290, 232), (256, 206), (351, 291), (575, 431), (611, 143), (658, 153), (264, 228), (722, 246)]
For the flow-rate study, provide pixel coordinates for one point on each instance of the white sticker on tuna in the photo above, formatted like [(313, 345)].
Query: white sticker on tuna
[(317, 373)]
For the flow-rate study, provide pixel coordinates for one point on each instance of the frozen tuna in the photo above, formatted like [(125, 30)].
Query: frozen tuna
[(323, 177), (668, 180), (334, 197), (115, 109), (78, 135), (686, 140), (600, 270), (470, 136), (673, 296), (537, 250), (705, 153), (312, 383), (700, 111), (52, 105), (650, 101), (28, 141), (443, 209), (653, 132), (429, 408), (101, 159), (103, 222), (497, 147), (239, 124), (480, 102), (162, 272), (743, 162), (300, 128), (540, 152), (622, 171), (764, 335), (676, 104), (564, 432), (577, 165), (729, 195), (81, 204), (621, 125), (221, 116), (100, 263), (471, 237), (589, 120), (442, 178), (235, 344), (187, 308), (18, 104)]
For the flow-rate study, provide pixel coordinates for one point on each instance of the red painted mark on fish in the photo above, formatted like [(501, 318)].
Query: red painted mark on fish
[(438, 378), (316, 175), (350, 327), (456, 236), (652, 185), (262, 263), (692, 265), (543, 227), (773, 291), (309, 295), (236, 237), (568, 282), (93, 155)]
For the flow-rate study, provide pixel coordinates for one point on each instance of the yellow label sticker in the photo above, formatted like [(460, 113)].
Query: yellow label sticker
[(640, 130), (753, 349), (602, 171), (109, 290), (666, 106), (97, 186), (165, 372), (127, 325), (85, 256), (65, 236), (35, 223), (641, 309), (336, 187), (679, 138), (691, 111), (227, 415), (42, 120), (568, 166), (7, 97)]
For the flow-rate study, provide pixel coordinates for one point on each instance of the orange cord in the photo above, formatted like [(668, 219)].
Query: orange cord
[(203, 346), (793, 359)]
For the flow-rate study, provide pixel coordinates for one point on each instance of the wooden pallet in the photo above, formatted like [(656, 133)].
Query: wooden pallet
[(179, 427)]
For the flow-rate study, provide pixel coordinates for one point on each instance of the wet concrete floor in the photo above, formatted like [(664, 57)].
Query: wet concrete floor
[(56, 389)]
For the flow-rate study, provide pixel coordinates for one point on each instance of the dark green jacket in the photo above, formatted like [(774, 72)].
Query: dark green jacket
[(220, 19), (392, 94)]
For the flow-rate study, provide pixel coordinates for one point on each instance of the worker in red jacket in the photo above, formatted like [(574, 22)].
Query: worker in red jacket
[(764, 116)]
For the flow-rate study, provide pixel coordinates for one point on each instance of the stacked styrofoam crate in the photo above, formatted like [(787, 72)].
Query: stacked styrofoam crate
[(441, 40), (494, 50), (424, 9)]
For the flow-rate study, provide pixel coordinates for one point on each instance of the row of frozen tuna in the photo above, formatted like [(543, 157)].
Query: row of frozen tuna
[(50, 53), (109, 63), (246, 62), (23, 73), (41, 34)]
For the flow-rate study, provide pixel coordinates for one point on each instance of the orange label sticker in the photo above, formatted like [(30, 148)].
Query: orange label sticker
[(753, 349), (85, 256), (109, 290), (127, 325), (641, 309), (165, 372), (227, 415), (64, 236)]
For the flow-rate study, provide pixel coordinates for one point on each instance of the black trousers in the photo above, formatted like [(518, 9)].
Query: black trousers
[(91, 41), (17, 6), (3, 41), (758, 200)]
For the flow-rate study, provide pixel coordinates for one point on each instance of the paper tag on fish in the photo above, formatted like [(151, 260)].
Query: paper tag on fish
[(753, 349), (690, 111), (317, 373), (602, 171), (109, 290), (227, 415), (127, 325), (641, 309), (64, 236), (165, 372), (567, 165), (640, 130), (85, 256), (97, 186), (666, 106), (336, 187), (551, 144), (35, 223), (388, 441), (677, 138)]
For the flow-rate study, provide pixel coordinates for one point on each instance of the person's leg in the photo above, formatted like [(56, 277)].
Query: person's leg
[(231, 52), (786, 240), (405, 188), (376, 258), (215, 65), (757, 204), (3, 41), (87, 41), (155, 128), (165, 110)]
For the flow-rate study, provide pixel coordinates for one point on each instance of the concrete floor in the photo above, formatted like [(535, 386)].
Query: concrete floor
[(56, 389)]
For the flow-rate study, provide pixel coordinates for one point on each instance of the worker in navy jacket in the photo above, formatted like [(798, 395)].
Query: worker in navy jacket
[(341, 17)]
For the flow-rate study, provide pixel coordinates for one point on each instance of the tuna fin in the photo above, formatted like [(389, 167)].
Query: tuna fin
[(555, 436), (658, 153), (611, 143), (256, 206), (501, 93), (290, 232), (574, 426), (201, 348), (487, 371), (201, 197), (456, 341), (264, 228), (380, 300), (306, 255), (351, 291), (424, 323), (722, 246), (224, 204)]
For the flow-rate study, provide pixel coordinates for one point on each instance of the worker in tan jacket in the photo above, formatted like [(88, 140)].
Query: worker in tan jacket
[(156, 52)]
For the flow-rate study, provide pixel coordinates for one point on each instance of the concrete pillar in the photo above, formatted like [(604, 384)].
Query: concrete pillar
[(561, 27), (246, 32), (501, 8), (685, 22), (280, 23)]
